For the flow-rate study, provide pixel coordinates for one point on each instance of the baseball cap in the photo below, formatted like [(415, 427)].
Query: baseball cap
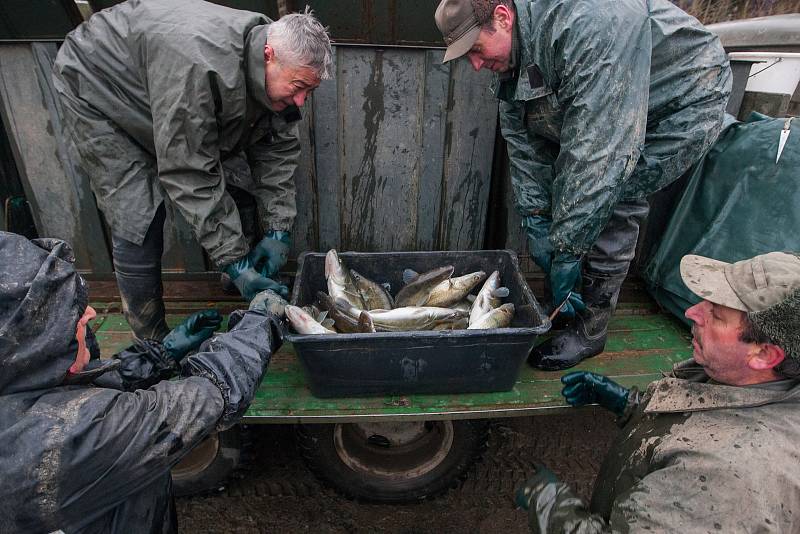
[(459, 26), (751, 285)]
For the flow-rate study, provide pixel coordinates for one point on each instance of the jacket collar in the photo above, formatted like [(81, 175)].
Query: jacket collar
[(688, 389), (256, 75)]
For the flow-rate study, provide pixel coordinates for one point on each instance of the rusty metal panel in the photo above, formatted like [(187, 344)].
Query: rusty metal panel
[(60, 197), (402, 154)]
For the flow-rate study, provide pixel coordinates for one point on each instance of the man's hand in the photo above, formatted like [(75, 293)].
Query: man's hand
[(249, 281), (565, 277), (583, 387), (531, 489), (537, 228), (271, 253), (269, 302), (188, 335)]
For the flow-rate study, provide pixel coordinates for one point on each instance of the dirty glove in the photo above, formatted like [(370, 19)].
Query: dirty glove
[(583, 387), (537, 228), (269, 302), (271, 253), (530, 490), (565, 277), (249, 281), (188, 335)]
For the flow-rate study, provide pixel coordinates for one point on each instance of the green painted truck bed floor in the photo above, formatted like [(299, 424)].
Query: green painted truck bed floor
[(641, 345)]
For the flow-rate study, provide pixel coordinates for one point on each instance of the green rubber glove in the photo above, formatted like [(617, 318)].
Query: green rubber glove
[(188, 335), (537, 229), (530, 490), (583, 387), (565, 278), (249, 281), (269, 302), (271, 253)]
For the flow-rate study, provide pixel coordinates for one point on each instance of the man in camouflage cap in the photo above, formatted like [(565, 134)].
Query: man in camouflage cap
[(714, 445)]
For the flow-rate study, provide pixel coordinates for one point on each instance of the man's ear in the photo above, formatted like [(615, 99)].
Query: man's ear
[(503, 17), (766, 357), (269, 53)]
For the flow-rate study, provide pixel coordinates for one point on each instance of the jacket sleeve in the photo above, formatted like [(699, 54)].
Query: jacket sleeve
[(185, 92), (531, 160), (141, 365), (603, 60), (273, 165), (124, 441)]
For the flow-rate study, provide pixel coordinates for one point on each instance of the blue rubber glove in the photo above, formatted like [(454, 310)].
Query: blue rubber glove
[(188, 335), (530, 490), (271, 253), (583, 387), (565, 277), (537, 229), (250, 282)]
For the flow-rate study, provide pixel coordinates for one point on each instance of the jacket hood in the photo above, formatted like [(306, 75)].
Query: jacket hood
[(42, 298)]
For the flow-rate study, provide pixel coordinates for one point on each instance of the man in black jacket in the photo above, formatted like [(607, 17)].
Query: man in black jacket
[(86, 445)]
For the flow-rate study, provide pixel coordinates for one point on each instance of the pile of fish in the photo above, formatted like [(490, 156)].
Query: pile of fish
[(434, 300)]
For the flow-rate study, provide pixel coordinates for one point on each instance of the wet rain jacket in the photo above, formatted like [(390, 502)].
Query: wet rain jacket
[(693, 457), (609, 100), (95, 455), (167, 98)]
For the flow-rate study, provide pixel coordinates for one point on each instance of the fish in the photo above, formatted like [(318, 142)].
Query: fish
[(499, 317), (452, 290), (374, 295), (340, 282), (414, 318), (418, 286), (344, 316), (303, 323), (365, 323), (488, 297)]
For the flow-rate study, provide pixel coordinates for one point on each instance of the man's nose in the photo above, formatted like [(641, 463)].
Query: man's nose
[(476, 62), (300, 98), (696, 313)]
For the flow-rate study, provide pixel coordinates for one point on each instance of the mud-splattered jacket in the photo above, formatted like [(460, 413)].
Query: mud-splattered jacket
[(608, 100), (157, 94), (695, 456), (92, 452)]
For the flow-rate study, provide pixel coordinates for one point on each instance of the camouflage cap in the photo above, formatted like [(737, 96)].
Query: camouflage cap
[(459, 26), (751, 285)]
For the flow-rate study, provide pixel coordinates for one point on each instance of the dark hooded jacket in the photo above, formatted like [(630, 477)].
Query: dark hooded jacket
[(92, 452)]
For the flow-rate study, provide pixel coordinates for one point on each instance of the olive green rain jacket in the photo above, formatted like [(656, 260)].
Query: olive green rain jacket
[(693, 457), (166, 99), (608, 100)]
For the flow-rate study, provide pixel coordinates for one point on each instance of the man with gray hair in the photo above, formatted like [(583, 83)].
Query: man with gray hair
[(713, 446), (190, 105), (602, 102)]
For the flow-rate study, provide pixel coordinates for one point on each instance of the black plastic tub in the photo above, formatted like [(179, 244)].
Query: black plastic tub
[(398, 363)]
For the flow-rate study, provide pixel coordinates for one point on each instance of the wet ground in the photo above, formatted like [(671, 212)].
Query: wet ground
[(278, 494)]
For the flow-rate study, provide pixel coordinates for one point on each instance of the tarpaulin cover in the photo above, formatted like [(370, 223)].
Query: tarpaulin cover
[(738, 203)]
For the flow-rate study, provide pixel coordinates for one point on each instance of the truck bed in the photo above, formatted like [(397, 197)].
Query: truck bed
[(643, 342)]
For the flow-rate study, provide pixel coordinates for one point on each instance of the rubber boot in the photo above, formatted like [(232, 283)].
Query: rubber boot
[(586, 334), (138, 272), (605, 268)]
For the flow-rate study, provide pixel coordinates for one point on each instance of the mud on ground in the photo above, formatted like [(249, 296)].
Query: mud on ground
[(278, 494)]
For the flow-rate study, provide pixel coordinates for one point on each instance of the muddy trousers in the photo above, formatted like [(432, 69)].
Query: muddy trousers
[(138, 272), (604, 270)]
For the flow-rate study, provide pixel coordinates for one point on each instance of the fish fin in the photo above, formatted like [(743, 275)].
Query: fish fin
[(501, 292), (365, 323), (322, 316), (409, 276), (387, 286), (327, 323), (471, 298)]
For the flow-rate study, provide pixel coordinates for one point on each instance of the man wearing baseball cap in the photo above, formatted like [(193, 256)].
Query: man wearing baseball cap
[(712, 447), (602, 103)]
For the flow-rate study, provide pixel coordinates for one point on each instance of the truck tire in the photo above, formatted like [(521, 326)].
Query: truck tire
[(392, 462), (210, 463)]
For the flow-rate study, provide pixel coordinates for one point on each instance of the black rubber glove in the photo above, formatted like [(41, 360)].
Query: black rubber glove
[(537, 229), (583, 387), (529, 491), (249, 282), (188, 335), (271, 253)]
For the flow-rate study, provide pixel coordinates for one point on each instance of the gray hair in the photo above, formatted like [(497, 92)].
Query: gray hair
[(301, 41)]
